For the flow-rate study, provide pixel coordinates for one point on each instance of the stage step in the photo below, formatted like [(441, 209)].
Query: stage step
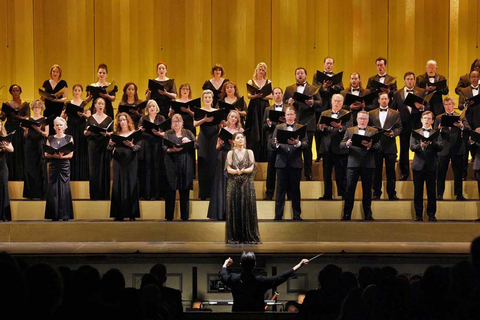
[(311, 209), (205, 231), (310, 190)]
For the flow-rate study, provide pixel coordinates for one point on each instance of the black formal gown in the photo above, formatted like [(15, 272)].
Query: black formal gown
[(35, 184), (208, 85), (99, 161), (79, 162), (5, 211), (108, 103), (241, 204), (151, 168), (188, 124), (135, 117), (164, 101), (207, 158), (256, 139), (15, 159), (53, 108), (125, 199), (59, 196)]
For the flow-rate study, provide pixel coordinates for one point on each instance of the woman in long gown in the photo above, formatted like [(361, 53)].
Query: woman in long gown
[(216, 207), (241, 205), (5, 147), (76, 126), (256, 137), (231, 95), (216, 83), (59, 196), (179, 169), (163, 98), (35, 184), (207, 151), (125, 200), (109, 97), (15, 160), (98, 156), (151, 169), (130, 98), (54, 105)]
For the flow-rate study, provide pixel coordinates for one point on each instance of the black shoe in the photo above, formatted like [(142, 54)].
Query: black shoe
[(132, 219), (418, 219), (369, 218), (65, 219), (55, 219), (461, 198), (376, 197), (277, 218), (440, 198), (118, 219), (403, 178), (325, 198), (309, 178), (432, 219), (297, 218), (268, 198), (393, 198), (346, 218)]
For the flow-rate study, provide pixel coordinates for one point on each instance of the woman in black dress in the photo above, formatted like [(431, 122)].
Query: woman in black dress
[(35, 184), (216, 83), (163, 98), (151, 169), (98, 156), (179, 169), (231, 95), (54, 106), (77, 123), (109, 97), (15, 160), (241, 205), (130, 98), (125, 184), (5, 147), (59, 196), (207, 152), (256, 138), (216, 207)]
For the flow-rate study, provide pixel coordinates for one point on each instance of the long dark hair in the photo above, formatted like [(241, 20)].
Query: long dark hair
[(125, 96)]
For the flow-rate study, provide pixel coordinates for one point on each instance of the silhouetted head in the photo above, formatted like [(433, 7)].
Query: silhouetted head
[(248, 261), (160, 271)]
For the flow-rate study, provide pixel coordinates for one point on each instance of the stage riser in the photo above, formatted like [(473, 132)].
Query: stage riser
[(203, 232), (309, 190), (314, 210)]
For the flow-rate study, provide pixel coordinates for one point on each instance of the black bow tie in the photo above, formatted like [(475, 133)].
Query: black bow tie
[(429, 130), (290, 125), (430, 77), (333, 112), (382, 76), (381, 109), (409, 91), (362, 128), (326, 72), (473, 88), (450, 114), (301, 84), (357, 90)]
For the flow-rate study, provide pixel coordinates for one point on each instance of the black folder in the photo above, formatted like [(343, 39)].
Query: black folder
[(97, 129), (284, 135), (51, 96), (218, 115), (377, 85), (411, 99), (126, 107), (336, 79), (440, 85), (164, 126), (154, 85), (72, 109), (266, 89), (327, 120), (29, 123), (448, 121), (476, 100), (368, 98), (136, 136), (8, 110), (225, 135), (66, 149), (419, 136), (177, 105), (210, 86), (475, 136), (275, 116), (95, 91), (186, 146), (300, 97), (357, 139), (8, 137), (228, 107)]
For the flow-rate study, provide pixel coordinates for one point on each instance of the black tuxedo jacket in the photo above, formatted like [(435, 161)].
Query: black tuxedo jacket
[(426, 157), (305, 113), (473, 116), (287, 154), (393, 88), (436, 102), (452, 138), (363, 92), (332, 137), (360, 156), (270, 129), (326, 95), (409, 120), (249, 290), (463, 82), (388, 144)]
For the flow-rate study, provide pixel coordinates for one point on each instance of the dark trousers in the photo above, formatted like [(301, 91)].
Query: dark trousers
[(473, 150), (308, 155), (477, 177), (419, 178), (318, 136), (271, 172), (457, 166), (288, 182), (170, 203), (352, 178), (404, 161), (339, 161), (389, 170)]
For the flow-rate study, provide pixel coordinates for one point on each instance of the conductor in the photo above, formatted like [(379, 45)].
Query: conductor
[(248, 290)]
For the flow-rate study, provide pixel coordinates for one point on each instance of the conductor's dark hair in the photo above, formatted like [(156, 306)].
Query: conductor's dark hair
[(474, 63), (248, 261), (381, 59), (408, 73), (160, 271)]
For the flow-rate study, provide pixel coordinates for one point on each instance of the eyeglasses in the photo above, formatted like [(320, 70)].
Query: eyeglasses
[(177, 121)]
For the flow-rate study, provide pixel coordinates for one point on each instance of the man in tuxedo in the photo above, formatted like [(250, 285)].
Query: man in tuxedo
[(426, 80), (172, 296), (453, 149), (360, 163), (382, 77), (269, 127), (248, 289), (424, 167), (327, 90), (464, 80), (289, 166), (410, 118), (306, 112), (332, 154), (389, 120), (356, 89)]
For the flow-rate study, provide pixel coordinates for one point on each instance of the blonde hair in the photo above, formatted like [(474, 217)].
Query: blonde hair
[(261, 64), (37, 103), (238, 125), (207, 92)]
